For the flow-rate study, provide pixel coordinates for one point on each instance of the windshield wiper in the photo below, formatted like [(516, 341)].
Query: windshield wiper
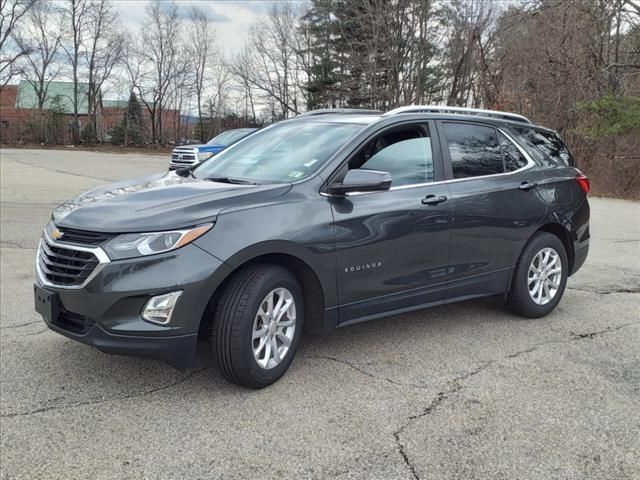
[(236, 181)]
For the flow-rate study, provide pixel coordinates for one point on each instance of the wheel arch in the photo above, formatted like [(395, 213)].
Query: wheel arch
[(315, 300), (559, 230), (564, 235)]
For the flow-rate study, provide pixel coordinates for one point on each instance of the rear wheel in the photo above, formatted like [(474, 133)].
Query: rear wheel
[(257, 325), (540, 276)]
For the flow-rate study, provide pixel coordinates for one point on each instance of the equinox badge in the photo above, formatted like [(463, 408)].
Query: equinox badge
[(366, 266)]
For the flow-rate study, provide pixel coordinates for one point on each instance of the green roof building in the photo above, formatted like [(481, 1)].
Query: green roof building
[(122, 104), (27, 97)]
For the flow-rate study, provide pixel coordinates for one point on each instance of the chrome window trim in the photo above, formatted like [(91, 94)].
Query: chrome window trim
[(530, 164), (98, 252)]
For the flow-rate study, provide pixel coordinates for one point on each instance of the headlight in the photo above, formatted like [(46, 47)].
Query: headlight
[(131, 245), (202, 156)]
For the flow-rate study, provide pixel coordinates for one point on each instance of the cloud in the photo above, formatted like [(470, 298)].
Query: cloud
[(231, 20), (184, 9), (259, 7)]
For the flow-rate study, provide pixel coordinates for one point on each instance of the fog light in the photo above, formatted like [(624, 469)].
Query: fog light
[(159, 309)]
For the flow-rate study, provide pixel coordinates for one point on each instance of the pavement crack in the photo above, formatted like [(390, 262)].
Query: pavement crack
[(400, 447), (401, 450), (14, 245), (572, 337), (36, 333), (534, 348), (607, 292), (580, 336), (365, 372), (453, 386), (104, 400), (20, 325)]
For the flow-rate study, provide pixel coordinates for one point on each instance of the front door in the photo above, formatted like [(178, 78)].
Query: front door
[(392, 247)]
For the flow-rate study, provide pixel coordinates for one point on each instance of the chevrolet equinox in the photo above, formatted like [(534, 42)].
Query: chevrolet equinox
[(321, 221)]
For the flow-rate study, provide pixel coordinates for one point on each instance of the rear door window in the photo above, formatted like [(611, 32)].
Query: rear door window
[(474, 150)]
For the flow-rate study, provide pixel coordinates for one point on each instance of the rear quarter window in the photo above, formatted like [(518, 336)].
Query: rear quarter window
[(549, 144)]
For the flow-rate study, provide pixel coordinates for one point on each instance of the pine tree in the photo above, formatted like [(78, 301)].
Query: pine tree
[(129, 131), (370, 53)]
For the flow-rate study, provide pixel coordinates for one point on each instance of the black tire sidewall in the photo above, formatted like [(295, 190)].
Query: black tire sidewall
[(248, 370), (521, 299)]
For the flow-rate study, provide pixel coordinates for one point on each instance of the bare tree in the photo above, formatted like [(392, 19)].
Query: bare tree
[(179, 97), (41, 37), (201, 50), (161, 58), (218, 100), (11, 11), (77, 13), (242, 69), (103, 51), (270, 62), (467, 41)]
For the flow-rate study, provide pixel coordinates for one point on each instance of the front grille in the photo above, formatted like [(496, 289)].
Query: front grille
[(183, 156), (74, 322), (65, 266), (82, 237)]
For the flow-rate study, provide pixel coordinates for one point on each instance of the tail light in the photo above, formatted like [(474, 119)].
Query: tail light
[(583, 181)]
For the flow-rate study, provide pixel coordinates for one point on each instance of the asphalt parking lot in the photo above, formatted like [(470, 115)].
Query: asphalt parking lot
[(465, 391)]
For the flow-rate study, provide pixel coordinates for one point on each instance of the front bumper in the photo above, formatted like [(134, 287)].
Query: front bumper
[(178, 166), (106, 312), (178, 351)]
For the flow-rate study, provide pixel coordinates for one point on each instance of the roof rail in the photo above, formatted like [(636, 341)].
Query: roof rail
[(458, 110), (325, 111)]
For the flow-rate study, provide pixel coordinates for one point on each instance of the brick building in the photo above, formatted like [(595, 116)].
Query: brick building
[(21, 122), (13, 121)]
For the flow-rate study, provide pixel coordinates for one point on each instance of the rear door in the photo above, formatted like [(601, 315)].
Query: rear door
[(496, 205)]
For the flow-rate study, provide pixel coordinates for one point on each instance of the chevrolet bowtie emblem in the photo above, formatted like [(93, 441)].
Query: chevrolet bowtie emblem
[(57, 234)]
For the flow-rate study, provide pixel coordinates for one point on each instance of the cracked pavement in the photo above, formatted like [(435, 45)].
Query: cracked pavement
[(466, 391)]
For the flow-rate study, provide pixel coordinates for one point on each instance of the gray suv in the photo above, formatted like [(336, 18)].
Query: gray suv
[(317, 222)]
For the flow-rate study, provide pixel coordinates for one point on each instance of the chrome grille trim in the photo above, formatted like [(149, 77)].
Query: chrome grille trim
[(44, 247), (189, 156)]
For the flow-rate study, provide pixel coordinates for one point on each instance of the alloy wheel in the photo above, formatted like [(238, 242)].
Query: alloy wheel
[(273, 328), (545, 275)]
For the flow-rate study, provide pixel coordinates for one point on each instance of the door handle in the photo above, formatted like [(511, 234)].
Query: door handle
[(527, 185), (433, 200)]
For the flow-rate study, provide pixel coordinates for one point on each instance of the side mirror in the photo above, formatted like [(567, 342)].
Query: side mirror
[(362, 180)]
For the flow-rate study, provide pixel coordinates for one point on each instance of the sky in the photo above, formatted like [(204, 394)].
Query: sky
[(230, 18)]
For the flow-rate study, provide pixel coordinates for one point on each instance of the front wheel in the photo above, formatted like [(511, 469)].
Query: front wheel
[(540, 276), (257, 325)]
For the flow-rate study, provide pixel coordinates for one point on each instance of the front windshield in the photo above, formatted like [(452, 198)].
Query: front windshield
[(285, 152), (228, 137)]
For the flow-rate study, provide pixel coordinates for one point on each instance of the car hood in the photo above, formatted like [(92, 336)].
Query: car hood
[(159, 202)]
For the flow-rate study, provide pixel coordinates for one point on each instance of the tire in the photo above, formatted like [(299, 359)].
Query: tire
[(525, 302), (236, 317)]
